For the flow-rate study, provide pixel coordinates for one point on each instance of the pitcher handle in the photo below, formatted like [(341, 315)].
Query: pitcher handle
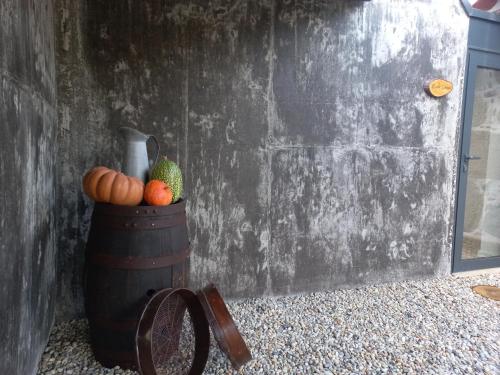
[(157, 149)]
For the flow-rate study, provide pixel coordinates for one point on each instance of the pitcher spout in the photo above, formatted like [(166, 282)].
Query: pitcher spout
[(133, 135)]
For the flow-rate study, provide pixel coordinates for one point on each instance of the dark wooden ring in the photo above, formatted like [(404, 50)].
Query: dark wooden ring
[(143, 340)]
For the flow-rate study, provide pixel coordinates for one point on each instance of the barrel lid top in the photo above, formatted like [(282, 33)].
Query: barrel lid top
[(134, 211)]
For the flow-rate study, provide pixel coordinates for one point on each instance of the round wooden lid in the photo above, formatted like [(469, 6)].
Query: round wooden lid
[(488, 291), (159, 327), (223, 327)]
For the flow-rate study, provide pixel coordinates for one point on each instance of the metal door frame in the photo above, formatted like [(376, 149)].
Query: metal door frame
[(475, 59), (476, 13)]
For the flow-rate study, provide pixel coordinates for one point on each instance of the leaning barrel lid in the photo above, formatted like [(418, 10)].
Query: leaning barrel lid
[(223, 327), (159, 327)]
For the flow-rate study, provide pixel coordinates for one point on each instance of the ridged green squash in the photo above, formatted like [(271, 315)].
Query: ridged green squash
[(170, 173)]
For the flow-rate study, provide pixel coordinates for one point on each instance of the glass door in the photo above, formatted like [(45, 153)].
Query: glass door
[(477, 232)]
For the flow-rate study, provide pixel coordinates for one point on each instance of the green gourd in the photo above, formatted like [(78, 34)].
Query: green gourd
[(170, 173)]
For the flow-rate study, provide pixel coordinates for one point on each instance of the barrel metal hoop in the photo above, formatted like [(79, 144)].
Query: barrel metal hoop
[(128, 223), (140, 211), (135, 262)]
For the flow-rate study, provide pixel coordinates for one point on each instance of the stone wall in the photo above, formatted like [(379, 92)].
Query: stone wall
[(27, 182), (312, 157)]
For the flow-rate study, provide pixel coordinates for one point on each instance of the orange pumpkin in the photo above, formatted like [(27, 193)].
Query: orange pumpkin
[(107, 185), (158, 193)]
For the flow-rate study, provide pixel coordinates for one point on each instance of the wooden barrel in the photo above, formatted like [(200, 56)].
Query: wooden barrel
[(130, 253)]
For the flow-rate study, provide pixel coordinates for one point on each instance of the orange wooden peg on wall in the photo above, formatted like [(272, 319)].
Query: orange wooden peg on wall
[(438, 88)]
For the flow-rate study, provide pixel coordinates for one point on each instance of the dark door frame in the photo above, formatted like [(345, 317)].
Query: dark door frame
[(483, 46), (476, 13), (475, 59)]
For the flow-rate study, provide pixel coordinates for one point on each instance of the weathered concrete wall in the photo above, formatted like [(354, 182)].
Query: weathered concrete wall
[(27, 182), (84, 140), (312, 157)]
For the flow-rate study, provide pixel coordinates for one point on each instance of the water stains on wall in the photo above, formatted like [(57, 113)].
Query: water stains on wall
[(28, 120), (312, 157)]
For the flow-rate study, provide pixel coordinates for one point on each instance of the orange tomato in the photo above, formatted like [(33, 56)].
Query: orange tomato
[(157, 193)]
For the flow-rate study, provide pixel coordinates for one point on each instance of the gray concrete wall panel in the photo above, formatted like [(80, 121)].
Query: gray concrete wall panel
[(313, 159)]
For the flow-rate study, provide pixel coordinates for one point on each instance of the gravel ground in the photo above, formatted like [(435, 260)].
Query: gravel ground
[(417, 327)]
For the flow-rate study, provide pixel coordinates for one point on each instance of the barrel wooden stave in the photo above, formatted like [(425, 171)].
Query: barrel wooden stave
[(115, 297)]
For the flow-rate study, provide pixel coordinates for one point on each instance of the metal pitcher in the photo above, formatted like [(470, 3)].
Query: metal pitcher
[(136, 162)]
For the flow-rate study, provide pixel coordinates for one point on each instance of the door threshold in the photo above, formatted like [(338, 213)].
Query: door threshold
[(485, 271)]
